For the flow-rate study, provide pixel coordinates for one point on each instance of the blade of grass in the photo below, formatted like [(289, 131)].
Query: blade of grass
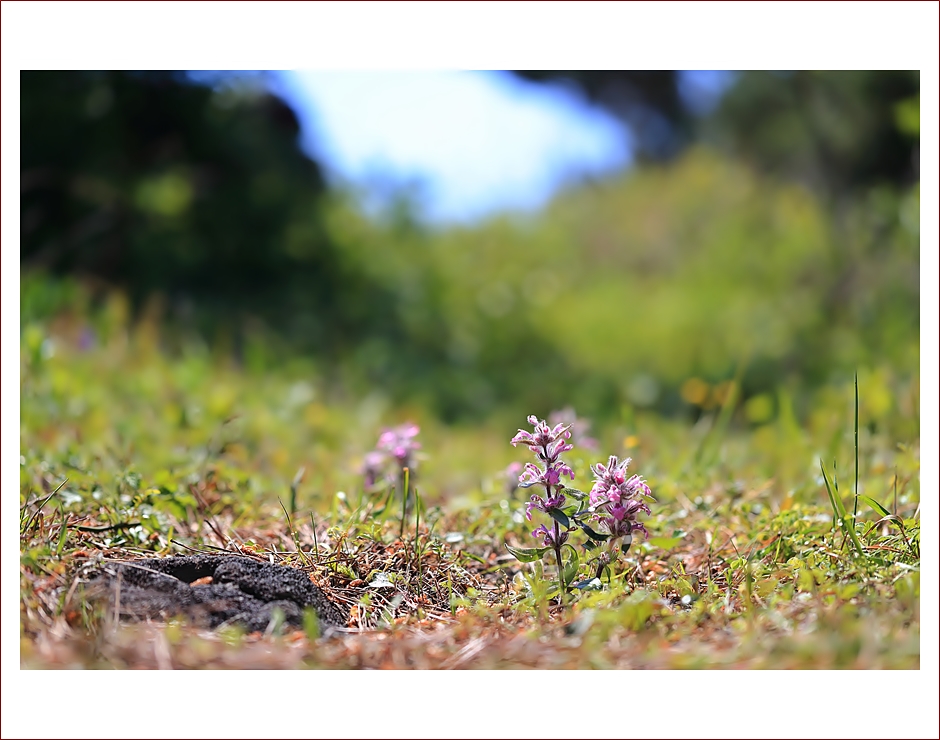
[(42, 503), (875, 505), (848, 528), (316, 544), (295, 483), (895, 490), (418, 540), (63, 534), (404, 498), (293, 534), (855, 510)]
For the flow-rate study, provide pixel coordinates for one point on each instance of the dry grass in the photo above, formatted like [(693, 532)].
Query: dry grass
[(454, 608)]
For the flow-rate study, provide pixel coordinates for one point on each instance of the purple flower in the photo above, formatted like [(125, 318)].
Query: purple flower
[(612, 486), (551, 476), (548, 536), (400, 443), (616, 498), (622, 520), (546, 442), (544, 504), (394, 452)]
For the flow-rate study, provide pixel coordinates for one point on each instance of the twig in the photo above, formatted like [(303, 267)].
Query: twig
[(119, 525)]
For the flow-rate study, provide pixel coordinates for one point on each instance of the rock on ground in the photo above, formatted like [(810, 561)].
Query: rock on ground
[(214, 590)]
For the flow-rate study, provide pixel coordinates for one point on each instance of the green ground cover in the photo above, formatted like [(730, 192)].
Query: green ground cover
[(753, 560)]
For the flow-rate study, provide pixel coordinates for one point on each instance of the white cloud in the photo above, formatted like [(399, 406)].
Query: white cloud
[(479, 141)]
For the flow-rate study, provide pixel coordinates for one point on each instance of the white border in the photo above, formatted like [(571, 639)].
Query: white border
[(277, 35)]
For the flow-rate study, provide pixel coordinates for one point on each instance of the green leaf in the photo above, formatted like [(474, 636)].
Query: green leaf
[(875, 505), (574, 493), (767, 586), (666, 543), (848, 526), (592, 534), (571, 566), (561, 517), (527, 554)]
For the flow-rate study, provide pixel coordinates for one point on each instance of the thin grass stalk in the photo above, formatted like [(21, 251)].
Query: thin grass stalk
[(316, 544), (417, 542), (29, 522), (295, 483), (855, 510), (293, 534), (405, 480)]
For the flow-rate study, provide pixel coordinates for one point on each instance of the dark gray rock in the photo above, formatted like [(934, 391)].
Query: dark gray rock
[(241, 591)]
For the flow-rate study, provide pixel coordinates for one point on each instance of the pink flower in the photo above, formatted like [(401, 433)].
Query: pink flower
[(393, 452), (544, 504), (611, 486), (548, 536), (616, 499), (400, 443)]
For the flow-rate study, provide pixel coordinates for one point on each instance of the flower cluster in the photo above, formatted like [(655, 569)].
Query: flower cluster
[(394, 452), (548, 444), (615, 499), (400, 443)]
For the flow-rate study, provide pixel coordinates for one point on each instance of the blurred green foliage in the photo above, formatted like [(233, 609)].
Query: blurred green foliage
[(201, 199), (649, 290), (839, 131), (621, 292)]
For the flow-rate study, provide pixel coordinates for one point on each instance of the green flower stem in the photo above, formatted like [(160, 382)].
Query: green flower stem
[(561, 576)]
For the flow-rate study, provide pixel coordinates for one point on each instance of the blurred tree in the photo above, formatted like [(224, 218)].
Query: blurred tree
[(648, 101), (147, 181), (836, 130), (852, 137)]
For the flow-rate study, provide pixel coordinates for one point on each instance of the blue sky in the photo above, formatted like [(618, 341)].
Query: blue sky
[(463, 145), (469, 144)]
